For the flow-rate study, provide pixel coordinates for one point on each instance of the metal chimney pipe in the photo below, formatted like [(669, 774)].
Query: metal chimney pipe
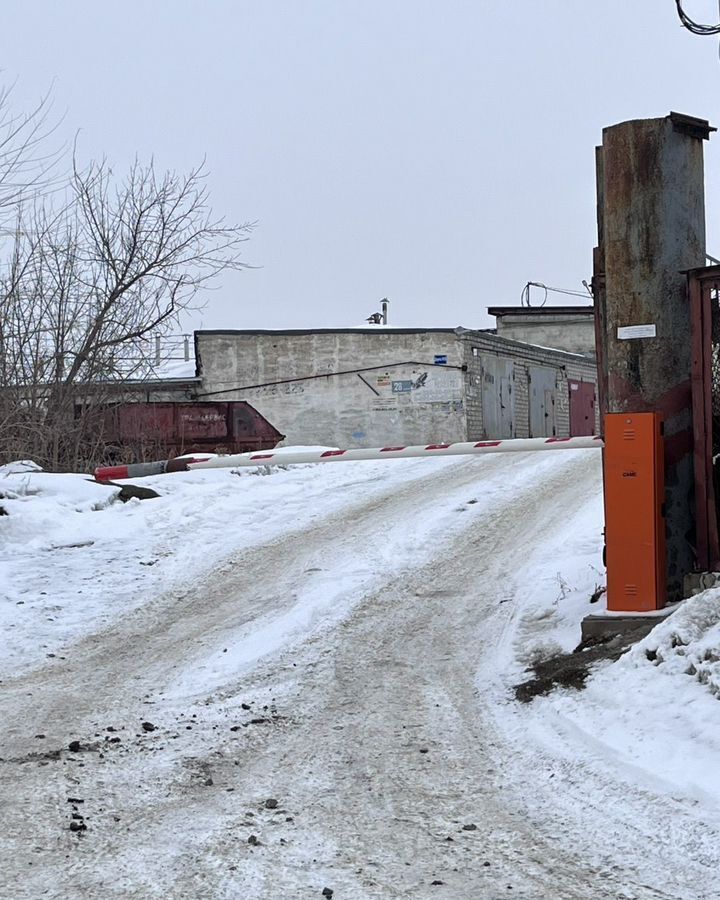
[(384, 305)]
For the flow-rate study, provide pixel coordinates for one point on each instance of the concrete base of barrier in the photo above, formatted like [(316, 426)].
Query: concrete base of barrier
[(608, 625)]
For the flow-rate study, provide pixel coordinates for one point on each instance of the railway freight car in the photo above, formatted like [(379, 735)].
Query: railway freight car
[(141, 431)]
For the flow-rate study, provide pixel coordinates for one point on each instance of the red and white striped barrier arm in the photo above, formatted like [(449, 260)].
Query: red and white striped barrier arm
[(145, 469), (295, 457), (465, 448)]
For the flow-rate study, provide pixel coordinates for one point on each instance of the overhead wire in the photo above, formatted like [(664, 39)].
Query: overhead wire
[(525, 293), (693, 26)]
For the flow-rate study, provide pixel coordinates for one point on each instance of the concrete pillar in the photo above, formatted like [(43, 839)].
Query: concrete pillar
[(652, 227)]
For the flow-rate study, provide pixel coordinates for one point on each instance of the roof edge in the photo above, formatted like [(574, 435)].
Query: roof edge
[(542, 310), (384, 329)]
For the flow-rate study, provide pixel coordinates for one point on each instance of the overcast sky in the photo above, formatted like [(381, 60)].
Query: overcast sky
[(436, 153)]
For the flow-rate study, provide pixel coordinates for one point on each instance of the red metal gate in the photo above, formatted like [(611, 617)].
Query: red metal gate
[(704, 297), (582, 408)]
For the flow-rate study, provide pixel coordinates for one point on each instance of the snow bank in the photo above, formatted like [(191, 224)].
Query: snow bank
[(686, 644), (19, 466), (42, 509), (653, 716)]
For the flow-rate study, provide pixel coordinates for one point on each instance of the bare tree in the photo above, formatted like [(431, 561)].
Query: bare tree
[(85, 285), (28, 164)]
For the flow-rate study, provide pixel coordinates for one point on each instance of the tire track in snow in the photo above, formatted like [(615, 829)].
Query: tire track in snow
[(371, 812)]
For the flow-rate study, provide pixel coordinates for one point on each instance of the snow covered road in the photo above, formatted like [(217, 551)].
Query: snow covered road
[(326, 709)]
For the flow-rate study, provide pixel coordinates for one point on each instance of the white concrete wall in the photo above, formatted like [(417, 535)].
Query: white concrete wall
[(395, 396), (366, 388), (573, 333)]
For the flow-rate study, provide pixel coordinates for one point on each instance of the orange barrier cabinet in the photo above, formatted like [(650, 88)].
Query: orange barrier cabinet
[(634, 474)]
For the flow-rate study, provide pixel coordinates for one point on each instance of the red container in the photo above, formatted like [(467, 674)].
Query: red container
[(164, 430)]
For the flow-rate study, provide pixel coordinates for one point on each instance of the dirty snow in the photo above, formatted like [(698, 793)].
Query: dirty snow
[(345, 640), (74, 561), (652, 717)]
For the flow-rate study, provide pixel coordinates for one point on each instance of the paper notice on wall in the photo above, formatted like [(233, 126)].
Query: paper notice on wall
[(633, 332)]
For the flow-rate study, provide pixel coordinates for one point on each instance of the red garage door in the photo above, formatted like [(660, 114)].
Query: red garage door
[(582, 408)]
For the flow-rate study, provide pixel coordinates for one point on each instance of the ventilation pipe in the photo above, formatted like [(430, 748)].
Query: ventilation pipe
[(384, 306)]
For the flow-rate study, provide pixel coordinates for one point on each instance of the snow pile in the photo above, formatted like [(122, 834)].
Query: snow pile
[(685, 644), (652, 717), (19, 466), (38, 506)]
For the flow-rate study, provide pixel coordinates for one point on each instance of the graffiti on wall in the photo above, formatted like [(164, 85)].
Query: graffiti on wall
[(279, 390)]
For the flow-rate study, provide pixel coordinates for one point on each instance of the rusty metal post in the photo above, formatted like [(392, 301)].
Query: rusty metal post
[(598, 290), (653, 227), (703, 285)]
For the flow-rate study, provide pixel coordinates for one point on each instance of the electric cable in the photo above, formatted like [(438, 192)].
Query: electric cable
[(525, 293), (691, 25)]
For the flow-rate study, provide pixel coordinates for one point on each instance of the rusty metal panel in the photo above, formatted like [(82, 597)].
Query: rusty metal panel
[(201, 421), (154, 421), (249, 426), (703, 295), (582, 407), (598, 288), (653, 222), (141, 430)]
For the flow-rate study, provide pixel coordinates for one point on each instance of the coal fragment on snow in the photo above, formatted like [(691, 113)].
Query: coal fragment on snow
[(148, 726), (327, 892), (78, 826), (271, 803), (74, 746), (469, 827)]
